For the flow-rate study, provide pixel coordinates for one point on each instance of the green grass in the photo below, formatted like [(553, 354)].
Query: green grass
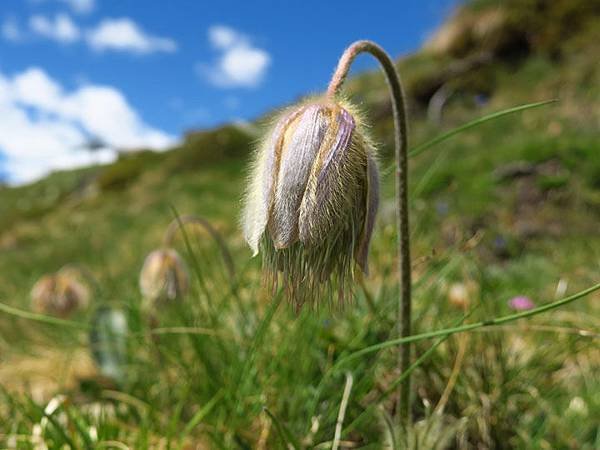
[(233, 366)]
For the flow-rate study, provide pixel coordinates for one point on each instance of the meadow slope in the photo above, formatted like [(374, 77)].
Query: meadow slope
[(507, 208)]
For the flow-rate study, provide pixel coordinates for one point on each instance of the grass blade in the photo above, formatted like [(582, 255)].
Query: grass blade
[(41, 317), (55, 424), (286, 436), (342, 413), (474, 123), (201, 414), (472, 326), (389, 426), (392, 387), (242, 380), (79, 423)]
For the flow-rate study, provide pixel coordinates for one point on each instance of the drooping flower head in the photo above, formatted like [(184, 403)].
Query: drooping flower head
[(313, 198), (164, 277), (60, 294)]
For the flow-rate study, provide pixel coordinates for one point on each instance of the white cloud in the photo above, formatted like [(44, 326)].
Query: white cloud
[(61, 29), (240, 63), (223, 37), (43, 127), (10, 30), (121, 34), (125, 35), (77, 6)]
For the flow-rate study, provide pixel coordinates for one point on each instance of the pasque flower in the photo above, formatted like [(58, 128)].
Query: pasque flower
[(164, 277), (313, 197), (60, 294)]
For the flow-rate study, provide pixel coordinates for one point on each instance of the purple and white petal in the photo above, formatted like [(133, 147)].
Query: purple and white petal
[(259, 197), (324, 201), (298, 154), (362, 252)]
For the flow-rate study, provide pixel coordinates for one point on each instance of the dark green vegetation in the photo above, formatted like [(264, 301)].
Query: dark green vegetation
[(509, 208)]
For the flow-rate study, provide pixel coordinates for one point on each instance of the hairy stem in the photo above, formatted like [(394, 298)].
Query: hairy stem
[(401, 144)]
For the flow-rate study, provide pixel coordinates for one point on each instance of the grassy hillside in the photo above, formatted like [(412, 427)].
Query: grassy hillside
[(509, 208)]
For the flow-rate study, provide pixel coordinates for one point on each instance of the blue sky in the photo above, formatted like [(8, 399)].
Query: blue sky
[(140, 73)]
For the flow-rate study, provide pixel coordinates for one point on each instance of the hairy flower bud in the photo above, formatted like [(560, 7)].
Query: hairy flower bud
[(59, 294), (313, 197), (164, 276)]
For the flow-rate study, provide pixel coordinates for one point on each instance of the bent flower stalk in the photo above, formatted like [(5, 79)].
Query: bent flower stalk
[(313, 198), (314, 194)]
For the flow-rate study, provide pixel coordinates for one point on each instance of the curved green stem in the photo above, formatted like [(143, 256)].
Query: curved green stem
[(86, 273), (401, 144), (177, 223)]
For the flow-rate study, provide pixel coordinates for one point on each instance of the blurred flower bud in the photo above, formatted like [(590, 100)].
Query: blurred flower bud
[(164, 276), (521, 303), (458, 296), (60, 294), (313, 197)]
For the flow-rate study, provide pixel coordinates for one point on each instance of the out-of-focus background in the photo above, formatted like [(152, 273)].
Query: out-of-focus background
[(115, 117)]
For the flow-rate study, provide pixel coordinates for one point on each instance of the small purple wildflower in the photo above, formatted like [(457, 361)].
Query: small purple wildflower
[(521, 303)]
